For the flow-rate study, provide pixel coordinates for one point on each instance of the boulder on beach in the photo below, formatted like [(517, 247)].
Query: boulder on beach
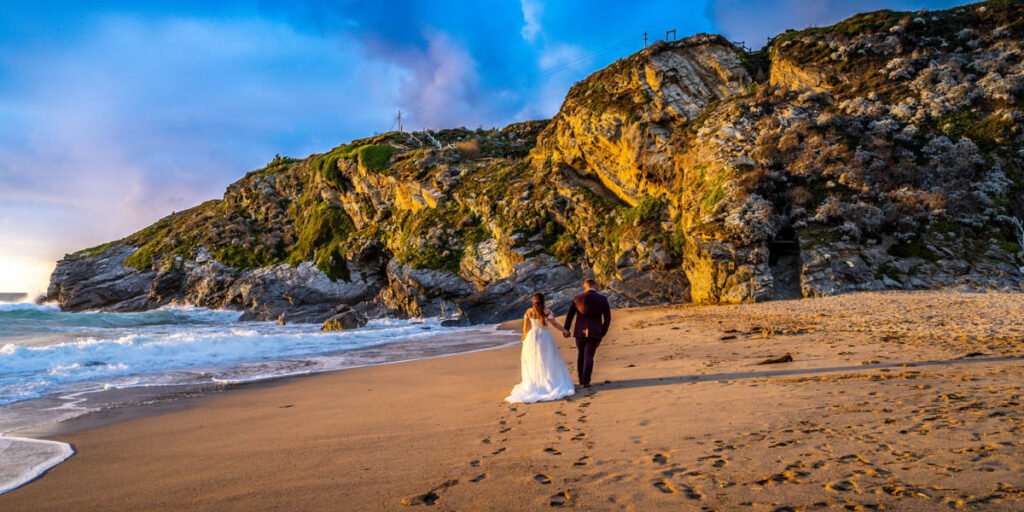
[(346, 318)]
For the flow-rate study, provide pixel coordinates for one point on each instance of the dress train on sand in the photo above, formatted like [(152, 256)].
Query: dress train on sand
[(544, 374)]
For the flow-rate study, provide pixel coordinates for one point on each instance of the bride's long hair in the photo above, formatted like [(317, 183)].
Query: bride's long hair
[(538, 307)]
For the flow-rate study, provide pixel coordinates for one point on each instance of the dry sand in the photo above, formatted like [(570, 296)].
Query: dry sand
[(893, 401)]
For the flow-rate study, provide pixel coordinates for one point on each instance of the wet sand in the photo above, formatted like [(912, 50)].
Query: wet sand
[(892, 401)]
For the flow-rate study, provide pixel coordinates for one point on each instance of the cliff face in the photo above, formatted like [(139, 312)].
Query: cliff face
[(882, 152), (618, 124)]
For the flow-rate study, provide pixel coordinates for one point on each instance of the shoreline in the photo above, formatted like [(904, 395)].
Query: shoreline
[(114, 405), (162, 399), (884, 391)]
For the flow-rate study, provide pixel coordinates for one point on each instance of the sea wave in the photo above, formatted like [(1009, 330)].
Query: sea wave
[(30, 317), (203, 346), (27, 306)]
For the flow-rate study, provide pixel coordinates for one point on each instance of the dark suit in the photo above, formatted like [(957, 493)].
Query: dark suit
[(593, 318)]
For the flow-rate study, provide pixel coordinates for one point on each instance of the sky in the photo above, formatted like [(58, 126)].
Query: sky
[(114, 114)]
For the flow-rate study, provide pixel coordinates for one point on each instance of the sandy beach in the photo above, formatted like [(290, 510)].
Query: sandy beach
[(892, 401)]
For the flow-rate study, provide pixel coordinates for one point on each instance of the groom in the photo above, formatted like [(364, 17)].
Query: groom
[(593, 317)]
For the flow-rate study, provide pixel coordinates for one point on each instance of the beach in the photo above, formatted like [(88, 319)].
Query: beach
[(891, 401)]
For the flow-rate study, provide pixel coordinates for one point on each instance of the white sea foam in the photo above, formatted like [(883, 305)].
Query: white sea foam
[(203, 342), (26, 459), (55, 365)]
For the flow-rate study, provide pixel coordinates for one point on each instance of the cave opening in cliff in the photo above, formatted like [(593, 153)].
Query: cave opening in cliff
[(784, 260)]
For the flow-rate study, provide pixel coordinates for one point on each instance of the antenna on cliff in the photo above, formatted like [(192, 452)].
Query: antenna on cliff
[(400, 122), (645, 39), (673, 32)]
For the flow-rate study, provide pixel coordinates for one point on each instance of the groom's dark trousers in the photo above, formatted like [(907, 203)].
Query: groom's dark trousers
[(586, 348), (593, 318)]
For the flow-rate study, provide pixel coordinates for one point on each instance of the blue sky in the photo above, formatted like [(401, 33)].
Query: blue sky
[(114, 114)]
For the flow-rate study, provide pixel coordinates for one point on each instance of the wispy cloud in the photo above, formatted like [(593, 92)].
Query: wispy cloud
[(532, 10), (560, 66), (435, 83)]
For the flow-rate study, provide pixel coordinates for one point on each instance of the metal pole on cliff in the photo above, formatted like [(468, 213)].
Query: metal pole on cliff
[(645, 39), (400, 130)]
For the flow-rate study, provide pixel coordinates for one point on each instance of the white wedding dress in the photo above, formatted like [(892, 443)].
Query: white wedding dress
[(545, 376)]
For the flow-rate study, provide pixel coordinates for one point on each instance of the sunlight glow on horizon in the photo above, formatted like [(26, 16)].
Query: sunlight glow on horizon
[(24, 275)]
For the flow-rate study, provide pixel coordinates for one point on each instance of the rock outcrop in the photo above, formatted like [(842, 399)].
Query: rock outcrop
[(880, 153), (344, 318), (618, 125)]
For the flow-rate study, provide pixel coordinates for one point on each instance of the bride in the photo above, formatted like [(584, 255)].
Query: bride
[(545, 376)]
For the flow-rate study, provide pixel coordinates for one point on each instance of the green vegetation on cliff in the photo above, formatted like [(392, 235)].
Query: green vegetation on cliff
[(322, 233)]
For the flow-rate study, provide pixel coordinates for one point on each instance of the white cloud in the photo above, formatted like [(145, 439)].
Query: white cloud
[(532, 10), (560, 65), (437, 85), (564, 55)]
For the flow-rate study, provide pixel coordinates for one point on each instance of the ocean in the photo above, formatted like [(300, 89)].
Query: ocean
[(57, 365)]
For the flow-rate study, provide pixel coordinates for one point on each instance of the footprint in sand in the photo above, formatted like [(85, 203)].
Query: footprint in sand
[(504, 430), (478, 478), (560, 499), (552, 451), (579, 437), (691, 493), (582, 461), (664, 487), (474, 463), (542, 479), (429, 498), (582, 419), (562, 428), (485, 440), (499, 451), (853, 457), (841, 486), (660, 458)]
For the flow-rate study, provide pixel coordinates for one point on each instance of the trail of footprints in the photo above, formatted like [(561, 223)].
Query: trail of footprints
[(563, 497), (496, 445), (853, 455), (853, 459)]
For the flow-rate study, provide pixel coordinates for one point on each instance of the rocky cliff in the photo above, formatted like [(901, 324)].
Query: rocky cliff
[(882, 152)]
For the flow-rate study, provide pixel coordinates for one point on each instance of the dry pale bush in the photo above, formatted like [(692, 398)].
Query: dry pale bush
[(470, 149)]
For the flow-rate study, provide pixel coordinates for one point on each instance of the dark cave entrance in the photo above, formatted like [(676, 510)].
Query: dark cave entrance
[(784, 260)]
